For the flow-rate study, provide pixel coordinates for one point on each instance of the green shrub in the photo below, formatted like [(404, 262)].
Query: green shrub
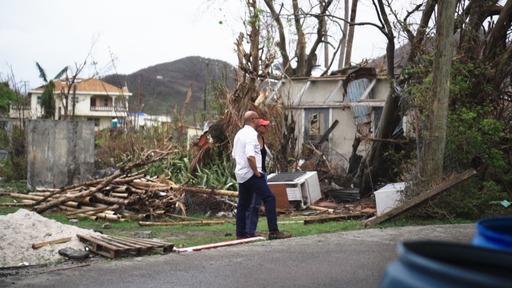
[(15, 167), (474, 139)]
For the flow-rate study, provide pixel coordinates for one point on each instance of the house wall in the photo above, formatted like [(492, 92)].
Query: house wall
[(105, 123), (59, 153), (381, 89), (301, 97), (82, 109), (312, 93), (342, 137), (36, 111), (83, 106)]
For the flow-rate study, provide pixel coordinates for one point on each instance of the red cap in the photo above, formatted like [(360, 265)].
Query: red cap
[(263, 122)]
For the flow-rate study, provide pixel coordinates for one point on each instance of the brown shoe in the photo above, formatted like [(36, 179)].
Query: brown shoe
[(278, 235)]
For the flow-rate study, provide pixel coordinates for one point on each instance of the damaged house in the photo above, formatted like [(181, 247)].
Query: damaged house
[(331, 112)]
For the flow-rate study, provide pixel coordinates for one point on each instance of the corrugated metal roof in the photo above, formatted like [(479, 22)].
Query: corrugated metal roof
[(356, 89)]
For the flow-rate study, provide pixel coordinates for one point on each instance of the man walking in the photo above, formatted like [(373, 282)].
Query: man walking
[(250, 178)]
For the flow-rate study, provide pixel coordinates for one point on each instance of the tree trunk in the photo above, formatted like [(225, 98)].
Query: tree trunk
[(470, 39), (281, 44), (372, 166), (497, 39), (433, 148), (326, 45), (350, 37), (300, 52), (422, 29), (344, 38)]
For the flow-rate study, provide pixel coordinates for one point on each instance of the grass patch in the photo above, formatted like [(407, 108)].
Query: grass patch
[(5, 209), (192, 235), (14, 186)]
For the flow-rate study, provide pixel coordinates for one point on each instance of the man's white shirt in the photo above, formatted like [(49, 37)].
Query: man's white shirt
[(246, 145)]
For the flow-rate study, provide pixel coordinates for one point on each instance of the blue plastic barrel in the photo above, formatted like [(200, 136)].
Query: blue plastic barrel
[(443, 264), (494, 233)]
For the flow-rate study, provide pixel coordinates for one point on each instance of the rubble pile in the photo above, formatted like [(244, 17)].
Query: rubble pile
[(20, 230), (121, 195), (131, 196)]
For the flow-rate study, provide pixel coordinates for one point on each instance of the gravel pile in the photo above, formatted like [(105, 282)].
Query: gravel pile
[(19, 230)]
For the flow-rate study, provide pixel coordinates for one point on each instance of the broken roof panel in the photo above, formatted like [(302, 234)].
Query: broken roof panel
[(355, 90)]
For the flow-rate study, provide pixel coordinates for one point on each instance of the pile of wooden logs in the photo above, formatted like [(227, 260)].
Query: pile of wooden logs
[(119, 196)]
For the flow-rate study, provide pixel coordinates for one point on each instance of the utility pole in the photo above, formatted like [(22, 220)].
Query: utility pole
[(431, 163)]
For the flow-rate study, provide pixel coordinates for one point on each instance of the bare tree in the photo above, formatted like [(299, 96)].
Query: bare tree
[(305, 59), (68, 89)]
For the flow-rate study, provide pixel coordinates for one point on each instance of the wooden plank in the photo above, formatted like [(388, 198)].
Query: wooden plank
[(421, 198), (323, 219), (92, 209), (98, 249), (321, 209), (120, 246), (219, 244), (130, 243), (96, 241), (156, 244), (15, 204), (109, 254), (55, 241), (201, 222)]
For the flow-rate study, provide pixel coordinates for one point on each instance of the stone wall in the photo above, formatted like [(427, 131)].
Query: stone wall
[(59, 153)]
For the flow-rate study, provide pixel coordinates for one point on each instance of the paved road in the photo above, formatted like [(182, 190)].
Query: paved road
[(345, 259)]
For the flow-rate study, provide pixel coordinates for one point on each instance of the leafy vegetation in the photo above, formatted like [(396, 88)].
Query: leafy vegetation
[(15, 167), (47, 98), (7, 96), (478, 136)]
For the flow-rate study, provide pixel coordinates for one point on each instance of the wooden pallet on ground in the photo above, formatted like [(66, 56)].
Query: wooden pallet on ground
[(113, 247)]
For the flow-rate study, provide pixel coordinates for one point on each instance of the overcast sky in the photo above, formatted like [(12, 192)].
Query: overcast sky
[(136, 34)]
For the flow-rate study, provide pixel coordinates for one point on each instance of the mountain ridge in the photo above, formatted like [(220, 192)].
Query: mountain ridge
[(159, 88)]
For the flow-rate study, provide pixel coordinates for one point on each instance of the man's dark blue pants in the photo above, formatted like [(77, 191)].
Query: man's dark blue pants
[(246, 191)]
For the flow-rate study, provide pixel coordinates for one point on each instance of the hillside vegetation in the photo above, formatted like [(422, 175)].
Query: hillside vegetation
[(158, 89)]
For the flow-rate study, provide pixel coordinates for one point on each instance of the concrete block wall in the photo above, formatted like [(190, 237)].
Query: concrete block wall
[(59, 153)]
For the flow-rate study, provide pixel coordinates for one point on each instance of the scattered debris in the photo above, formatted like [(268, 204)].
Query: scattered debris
[(45, 243), (74, 254), (143, 234), (321, 209), (343, 194), (106, 226)]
